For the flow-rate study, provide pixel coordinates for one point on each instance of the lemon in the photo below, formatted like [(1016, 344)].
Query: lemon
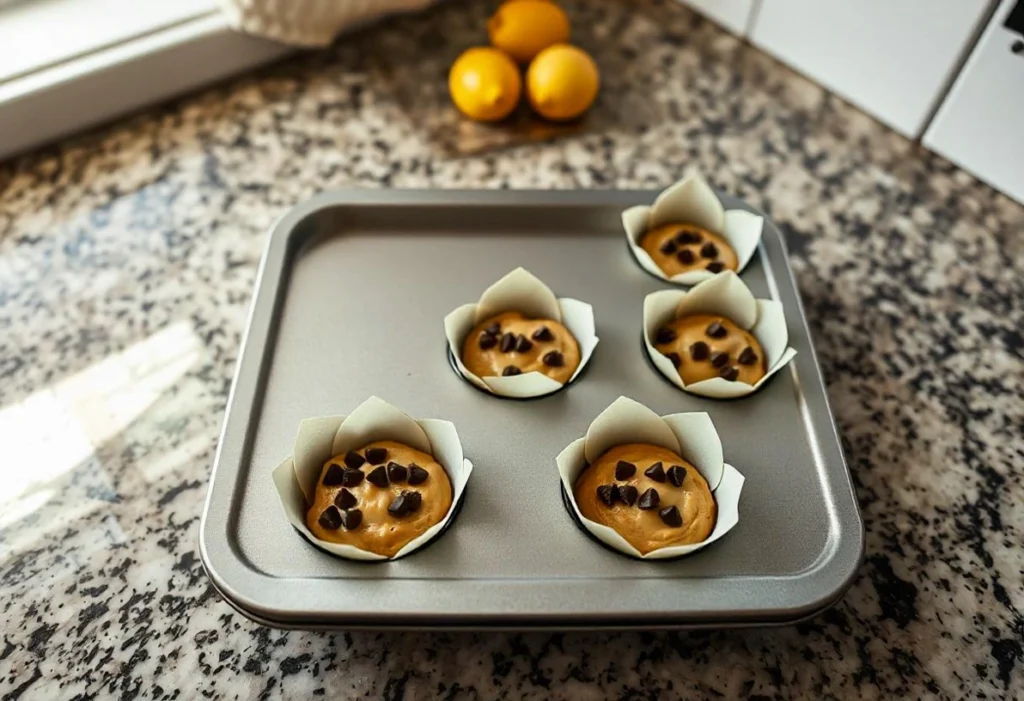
[(485, 84), (562, 82), (524, 28)]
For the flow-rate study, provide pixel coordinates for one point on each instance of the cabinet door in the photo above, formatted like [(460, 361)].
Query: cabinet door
[(731, 14), (980, 126), (892, 58)]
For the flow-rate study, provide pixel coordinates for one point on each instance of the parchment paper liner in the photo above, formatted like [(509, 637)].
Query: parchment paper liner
[(692, 436), (521, 291), (692, 201), (723, 294), (321, 438)]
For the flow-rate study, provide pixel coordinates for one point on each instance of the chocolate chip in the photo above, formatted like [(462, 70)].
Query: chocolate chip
[(730, 373), (655, 472), (709, 250), (676, 475), (494, 329), (747, 356), (553, 359), (649, 500), (351, 478), (345, 499), (405, 503), (375, 456), (354, 460), (332, 478), (670, 515), (716, 330), (397, 473), (715, 267), (523, 344), (330, 519), (628, 494), (687, 237), (719, 359), (543, 334), (624, 470), (699, 351), (664, 335), (607, 494), (686, 256), (487, 341), (378, 477), (511, 371), (417, 475), (508, 342), (674, 357), (668, 248), (351, 519)]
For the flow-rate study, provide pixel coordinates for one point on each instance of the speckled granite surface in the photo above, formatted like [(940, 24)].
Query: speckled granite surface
[(126, 263)]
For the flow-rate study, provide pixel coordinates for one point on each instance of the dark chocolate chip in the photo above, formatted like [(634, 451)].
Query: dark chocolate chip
[(687, 237), (543, 334), (719, 359), (715, 266), (674, 357), (487, 341), (649, 500), (523, 344), (686, 256), (670, 515), (494, 329), (378, 477), (351, 519), (397, 473), (664, 335), (607, 494), (330, 519), (354, 460), (709, 250), (730, 373), (345, 499), (375, 456), (716, 330), (624, 470), (676, 475), (699, 351), (747, 356), (668, 248), (414, 500), (405, 503), (417, 475), (655, 472), (511, 371), (351, 478), (332, 478), (508, 342), (553, 359), (628, 494)]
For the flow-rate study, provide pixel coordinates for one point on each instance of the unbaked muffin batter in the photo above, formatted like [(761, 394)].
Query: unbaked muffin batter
[(680, 248), (510, 344), (703, 346)]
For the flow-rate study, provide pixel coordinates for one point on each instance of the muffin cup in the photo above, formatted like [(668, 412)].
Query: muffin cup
[(691, 436), (320, 439), (723, 294), (521, 291), (692, 201)]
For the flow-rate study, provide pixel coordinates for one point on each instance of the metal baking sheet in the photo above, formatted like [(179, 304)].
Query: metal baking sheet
[(349, 303)]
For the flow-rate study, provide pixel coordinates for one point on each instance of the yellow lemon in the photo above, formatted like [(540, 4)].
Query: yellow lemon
[(485, 84), (524, 28), (562, 82)]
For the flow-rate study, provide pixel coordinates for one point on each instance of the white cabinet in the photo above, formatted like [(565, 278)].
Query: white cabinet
[(980, 126), (731, 14), (892, 58)]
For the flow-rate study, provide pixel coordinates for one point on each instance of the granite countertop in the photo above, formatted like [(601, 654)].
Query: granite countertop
[(127, 258)]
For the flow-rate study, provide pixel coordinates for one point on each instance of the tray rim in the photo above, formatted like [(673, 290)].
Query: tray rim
[(832, 577)]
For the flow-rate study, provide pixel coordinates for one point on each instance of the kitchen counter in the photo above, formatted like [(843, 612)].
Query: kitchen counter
[(127, 258)]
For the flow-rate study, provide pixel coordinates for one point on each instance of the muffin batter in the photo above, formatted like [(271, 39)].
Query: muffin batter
[(510, 344), (379, 497), (680, 248), (649, 495), (705, 346)]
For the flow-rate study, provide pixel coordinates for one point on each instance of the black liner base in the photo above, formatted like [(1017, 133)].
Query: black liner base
[(455, 510), (659, 373), (455, 368)]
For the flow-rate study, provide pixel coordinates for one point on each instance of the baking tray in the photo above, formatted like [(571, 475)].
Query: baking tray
[(349, 302)]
